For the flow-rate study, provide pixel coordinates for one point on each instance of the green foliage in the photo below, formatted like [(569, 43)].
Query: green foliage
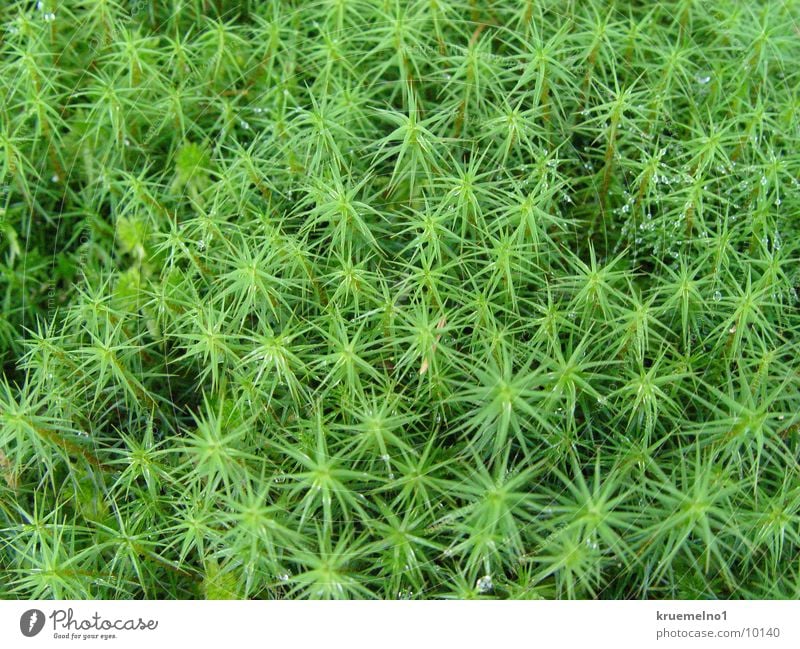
[(399, 299)]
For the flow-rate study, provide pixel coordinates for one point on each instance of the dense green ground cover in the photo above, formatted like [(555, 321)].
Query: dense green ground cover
[(388, 298)]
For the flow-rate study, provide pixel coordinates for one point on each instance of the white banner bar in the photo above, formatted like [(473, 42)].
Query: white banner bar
[(410, 625)]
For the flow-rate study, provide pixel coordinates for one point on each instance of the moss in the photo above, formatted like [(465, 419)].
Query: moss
[(399, 300)]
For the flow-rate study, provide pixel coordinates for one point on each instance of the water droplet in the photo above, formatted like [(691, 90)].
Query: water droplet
[(703, 79), (717, 296), (484, 584)]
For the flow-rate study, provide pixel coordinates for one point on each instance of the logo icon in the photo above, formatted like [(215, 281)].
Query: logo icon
[(31, 622)]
